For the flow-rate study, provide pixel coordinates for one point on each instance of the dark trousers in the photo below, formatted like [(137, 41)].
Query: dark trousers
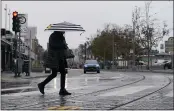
[(54, 74)]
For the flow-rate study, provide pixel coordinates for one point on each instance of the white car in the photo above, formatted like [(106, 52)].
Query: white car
[(160, 62)]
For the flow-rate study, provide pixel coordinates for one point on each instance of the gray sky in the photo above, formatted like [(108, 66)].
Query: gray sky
[(90, 15)]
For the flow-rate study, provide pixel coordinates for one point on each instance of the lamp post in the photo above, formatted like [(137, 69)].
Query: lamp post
[(5, 17), (85, 51), (134, 21), (113, 47)]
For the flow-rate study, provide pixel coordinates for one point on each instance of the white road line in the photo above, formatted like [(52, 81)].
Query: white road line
[(170, 94), (17, 88), (30, 93), (50, 90), (117, 77), (47, 91), (126, 91)]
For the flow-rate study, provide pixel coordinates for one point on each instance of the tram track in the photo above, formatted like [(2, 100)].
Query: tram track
[(146, 95), (91, 93)]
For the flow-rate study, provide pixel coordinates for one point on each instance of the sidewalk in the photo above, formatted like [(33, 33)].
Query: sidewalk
[(9, 76), (168, 71)]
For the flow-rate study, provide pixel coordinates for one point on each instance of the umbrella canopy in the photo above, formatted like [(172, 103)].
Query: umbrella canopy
[(64, 26)]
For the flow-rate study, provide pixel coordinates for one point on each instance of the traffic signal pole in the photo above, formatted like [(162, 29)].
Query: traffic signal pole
[(85, 50), (16, 54), (16, 29)]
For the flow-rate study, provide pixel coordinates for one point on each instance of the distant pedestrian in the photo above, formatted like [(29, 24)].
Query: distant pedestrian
[(56, 60), (19, 65), (26, 67)]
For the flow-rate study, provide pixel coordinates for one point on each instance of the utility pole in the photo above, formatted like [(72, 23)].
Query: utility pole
[(147, 33), (11, 40), (134, 67), (85, 50), (16, 45), (113, 49), (104, 56), (29, 53), (9, 20), (5, 31), (134, 19), (5, 17)]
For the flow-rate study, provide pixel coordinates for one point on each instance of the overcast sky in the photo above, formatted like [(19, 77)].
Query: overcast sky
[(90, 15)]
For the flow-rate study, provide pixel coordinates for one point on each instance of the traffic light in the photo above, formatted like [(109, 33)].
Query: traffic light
[(16, 22)]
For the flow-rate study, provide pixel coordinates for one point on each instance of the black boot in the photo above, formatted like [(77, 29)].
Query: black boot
[(63, 91), (41, 88), (47, 80)]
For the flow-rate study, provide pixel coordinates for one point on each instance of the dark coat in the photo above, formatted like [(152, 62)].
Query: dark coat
[(26, 66), (45, 58), (55, 56)]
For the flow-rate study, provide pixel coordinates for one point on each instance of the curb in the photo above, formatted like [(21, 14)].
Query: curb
[(34, 77), (162, 72), (141, 71)]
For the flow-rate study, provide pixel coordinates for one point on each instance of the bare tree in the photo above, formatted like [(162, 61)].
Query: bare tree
[(148, 31)]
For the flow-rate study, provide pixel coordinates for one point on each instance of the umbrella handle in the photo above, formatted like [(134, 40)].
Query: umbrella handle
[(82, 33)]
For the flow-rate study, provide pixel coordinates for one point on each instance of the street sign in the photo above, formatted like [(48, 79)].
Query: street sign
[(24, 24), (22, 19)]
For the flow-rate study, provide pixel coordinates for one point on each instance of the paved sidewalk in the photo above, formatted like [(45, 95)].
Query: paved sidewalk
[(9, 76), (168, 71)]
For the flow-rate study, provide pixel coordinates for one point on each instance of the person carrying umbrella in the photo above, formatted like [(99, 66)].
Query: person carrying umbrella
[(55, 60)]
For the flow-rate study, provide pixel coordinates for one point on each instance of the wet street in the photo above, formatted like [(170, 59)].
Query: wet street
[(106, 91)]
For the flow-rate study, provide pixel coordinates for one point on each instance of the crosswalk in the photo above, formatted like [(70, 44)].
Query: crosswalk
[(118, 92), (17, 88)]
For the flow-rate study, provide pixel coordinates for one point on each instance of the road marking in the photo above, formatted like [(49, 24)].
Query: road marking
[(17, 88), (83, 87), (64, 108), (30, 93), (126, 91), (170, 94), (50, 90)]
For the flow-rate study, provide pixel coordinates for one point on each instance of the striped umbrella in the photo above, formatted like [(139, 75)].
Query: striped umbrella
[(64, 26)]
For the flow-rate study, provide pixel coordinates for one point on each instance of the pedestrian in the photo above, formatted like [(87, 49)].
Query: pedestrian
[(56, 61), (26, 67), (19, 65)]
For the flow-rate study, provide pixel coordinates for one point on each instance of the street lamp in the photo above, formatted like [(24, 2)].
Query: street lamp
[(113, 45), (5, 17)]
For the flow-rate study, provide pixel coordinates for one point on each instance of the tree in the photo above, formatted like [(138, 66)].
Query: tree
[(147, 30), (102, 44)]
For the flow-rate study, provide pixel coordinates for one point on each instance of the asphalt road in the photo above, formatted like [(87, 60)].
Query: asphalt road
[(106, 91)]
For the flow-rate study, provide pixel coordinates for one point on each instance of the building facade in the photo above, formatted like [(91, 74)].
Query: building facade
[(8, 51), (169, 45)]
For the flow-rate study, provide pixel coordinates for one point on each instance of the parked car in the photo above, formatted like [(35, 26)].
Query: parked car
[(91, 66), (140, 63), (168, 65), (47, 70), (160, 62)]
